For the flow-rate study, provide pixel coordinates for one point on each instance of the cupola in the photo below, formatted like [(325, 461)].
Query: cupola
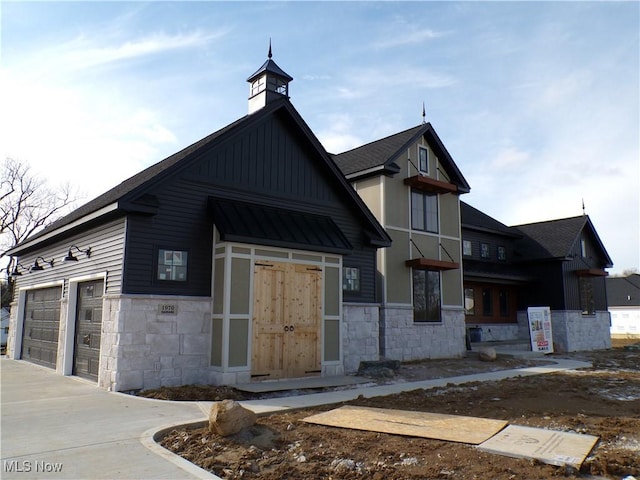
[(267, 84)]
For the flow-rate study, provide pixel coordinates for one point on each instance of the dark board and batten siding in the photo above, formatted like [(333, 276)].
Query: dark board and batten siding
[(266, 160), (267, 165), (107, 253)]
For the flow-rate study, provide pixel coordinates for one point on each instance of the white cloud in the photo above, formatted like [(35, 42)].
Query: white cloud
[(408, 35), (509, 158)]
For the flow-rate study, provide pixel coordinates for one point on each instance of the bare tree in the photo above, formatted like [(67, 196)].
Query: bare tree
[(27, 205)]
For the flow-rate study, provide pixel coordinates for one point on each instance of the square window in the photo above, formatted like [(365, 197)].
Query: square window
[(351, 279), (423, 160), (484, 250), (502, 253), (172, 265), (467, 250)]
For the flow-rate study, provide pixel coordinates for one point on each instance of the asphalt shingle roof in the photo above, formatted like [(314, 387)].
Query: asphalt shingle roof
[(471, 217), (623, 291), (375, 154), (553, 238)]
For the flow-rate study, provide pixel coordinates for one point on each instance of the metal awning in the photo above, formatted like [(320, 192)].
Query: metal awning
[(246, 222)]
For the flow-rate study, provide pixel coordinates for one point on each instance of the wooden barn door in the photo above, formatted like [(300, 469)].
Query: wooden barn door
[(287, 313)]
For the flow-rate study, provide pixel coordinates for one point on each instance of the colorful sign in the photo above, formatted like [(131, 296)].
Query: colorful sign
[(540, 329)]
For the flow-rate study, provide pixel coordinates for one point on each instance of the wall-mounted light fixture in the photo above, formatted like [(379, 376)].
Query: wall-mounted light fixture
[(36, 267), (16, 270), (72, 258)]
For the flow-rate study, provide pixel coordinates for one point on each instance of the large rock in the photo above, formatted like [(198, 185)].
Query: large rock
[(228, 417), (487, 354)]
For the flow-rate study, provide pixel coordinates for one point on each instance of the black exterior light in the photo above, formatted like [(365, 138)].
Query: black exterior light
[(72, 258), (36, 267), (16, 270)]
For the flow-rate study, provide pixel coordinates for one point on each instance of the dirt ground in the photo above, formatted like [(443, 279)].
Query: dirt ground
[(603, 401)]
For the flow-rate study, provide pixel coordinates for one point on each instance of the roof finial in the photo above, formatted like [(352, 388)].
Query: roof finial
[(270, 54), (583, 210), (424, 114)]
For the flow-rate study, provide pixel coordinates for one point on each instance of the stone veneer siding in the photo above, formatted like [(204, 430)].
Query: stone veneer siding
[(360, 335), (498, 332), (574, 332), (142, 348), (405, 340)]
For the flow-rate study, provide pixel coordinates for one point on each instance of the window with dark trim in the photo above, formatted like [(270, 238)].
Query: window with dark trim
[(172, 265), (423, 160), (426, 296), (587, 301), (487, 306), (502, 253), (503, 302), (350, 279), (424, 211), (484, 250), (469, 302), (467, 248)]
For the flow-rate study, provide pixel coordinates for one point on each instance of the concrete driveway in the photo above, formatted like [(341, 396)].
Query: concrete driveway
[(63, 427)]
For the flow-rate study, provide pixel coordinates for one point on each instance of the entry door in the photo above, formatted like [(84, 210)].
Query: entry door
[(287, 313), (86, 357), (41, 326)]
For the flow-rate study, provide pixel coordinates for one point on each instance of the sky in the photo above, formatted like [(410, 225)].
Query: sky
[(537, 102)]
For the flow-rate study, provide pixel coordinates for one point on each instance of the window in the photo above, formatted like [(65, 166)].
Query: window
[(423, 160), (424, 211), (351, 279), (172, 265), (257, 86), (484, 250), (587, 302), (502, 253), (583, 248), (469, 307), (487, 309), (503, 301), (466, 248), (426, 296)]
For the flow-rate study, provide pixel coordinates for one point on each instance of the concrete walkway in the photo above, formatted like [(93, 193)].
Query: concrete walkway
[(51, 422)]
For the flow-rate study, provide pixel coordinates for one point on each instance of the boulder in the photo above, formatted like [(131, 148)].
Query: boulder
[(487, 354), (228, 417)]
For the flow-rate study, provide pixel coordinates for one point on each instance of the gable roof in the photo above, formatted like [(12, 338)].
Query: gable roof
[(126, 196), (557, 238), (379, 157), (473, 219), (623, 291)]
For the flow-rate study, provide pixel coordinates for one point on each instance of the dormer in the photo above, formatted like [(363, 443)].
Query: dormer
[(267, 84)]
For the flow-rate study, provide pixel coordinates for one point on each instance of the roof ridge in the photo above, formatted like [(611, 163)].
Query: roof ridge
[(403, 132), (551, 221)]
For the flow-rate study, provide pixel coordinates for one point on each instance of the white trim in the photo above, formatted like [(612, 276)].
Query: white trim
[(58, 231), (364, 172), (68, 349), (426, 149)]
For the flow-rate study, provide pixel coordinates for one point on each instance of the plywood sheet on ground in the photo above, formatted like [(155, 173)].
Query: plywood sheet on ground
[(452, 428), (547, 446)]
